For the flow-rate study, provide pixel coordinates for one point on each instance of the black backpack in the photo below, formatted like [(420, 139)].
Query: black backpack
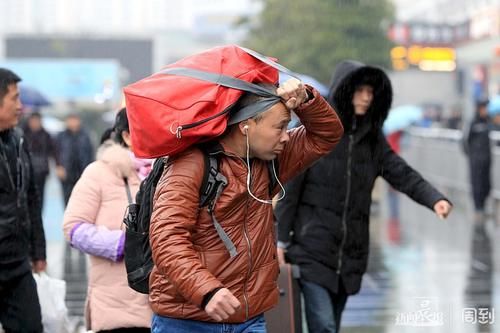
[(138, 257)]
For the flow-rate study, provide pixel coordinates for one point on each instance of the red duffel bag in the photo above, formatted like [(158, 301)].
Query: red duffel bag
[(189, 101)]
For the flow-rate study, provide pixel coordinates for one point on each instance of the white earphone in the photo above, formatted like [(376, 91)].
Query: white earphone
[(249, 176)]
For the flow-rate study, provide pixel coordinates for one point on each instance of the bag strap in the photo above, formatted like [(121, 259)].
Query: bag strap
[(127, 188), (220, 182), (269, 62), (220, 79), (269, 97), (212, 186)]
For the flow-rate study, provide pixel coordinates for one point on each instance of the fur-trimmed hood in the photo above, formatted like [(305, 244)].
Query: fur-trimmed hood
[(347, 75), (117, 157)]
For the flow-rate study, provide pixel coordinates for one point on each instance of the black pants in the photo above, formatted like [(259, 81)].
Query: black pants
[(40, 180), (128, 330), (19, 305), (480, 177), (67, 189)]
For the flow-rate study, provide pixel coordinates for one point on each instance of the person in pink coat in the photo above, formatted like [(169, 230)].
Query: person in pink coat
[(93, 224)]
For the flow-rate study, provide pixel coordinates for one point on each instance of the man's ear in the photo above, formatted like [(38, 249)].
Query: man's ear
[(243, 126)]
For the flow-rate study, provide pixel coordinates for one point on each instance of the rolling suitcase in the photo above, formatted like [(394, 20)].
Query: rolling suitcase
[(286, 317)]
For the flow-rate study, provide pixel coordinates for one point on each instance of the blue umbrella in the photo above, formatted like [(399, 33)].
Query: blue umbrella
[(402, 117), (494, 106), (31, 97), (323, 90)]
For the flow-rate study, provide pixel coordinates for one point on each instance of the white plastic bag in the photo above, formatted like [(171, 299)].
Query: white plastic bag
[(51, 293)]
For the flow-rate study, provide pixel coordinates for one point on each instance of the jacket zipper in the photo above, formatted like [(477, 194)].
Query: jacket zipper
[(20, 176), (250, 262), (249, 244), (180, 128), (6, 163), (347, 199)]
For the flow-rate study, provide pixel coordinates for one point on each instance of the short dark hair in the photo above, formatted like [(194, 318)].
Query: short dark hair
[(73, 115), (120, 126), (35, 114), (482, 103), (7, 77)]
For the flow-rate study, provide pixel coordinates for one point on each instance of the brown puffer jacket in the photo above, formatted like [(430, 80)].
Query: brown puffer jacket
[(190, 258)]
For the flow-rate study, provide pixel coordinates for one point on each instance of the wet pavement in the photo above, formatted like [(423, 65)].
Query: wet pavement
[(428, 275)]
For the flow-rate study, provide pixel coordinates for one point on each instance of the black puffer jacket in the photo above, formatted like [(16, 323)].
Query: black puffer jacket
[(21, 230), (325, 214)]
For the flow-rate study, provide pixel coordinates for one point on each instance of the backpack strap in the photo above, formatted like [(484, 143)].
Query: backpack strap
[(220, 182), (213, 184), (209, 183), (127, 189)]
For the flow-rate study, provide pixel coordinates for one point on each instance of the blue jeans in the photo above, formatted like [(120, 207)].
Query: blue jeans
[(172, 325), (323, 308)]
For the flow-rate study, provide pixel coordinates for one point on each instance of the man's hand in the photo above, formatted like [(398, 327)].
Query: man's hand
[(61, 172), (293, 93), (222, 305), (39, 266), (442, 208), (281, 256)]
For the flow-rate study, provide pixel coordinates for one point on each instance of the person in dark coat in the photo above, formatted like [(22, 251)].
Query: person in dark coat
[(42, 148), (478, 150), (75, 153), (22, 238), (323, 222)]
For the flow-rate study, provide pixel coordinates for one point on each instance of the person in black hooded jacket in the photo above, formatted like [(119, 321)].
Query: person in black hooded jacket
[(323, 222)]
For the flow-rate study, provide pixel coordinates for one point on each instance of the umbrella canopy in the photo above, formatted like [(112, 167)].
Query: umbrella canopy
[(323, 90), (494, 106), (402, 117), (31, 97)]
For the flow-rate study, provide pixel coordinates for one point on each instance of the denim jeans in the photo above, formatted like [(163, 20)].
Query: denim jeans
[(323, 309), (172, 325)]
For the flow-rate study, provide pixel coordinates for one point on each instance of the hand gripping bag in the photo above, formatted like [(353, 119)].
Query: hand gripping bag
[(188, 101)]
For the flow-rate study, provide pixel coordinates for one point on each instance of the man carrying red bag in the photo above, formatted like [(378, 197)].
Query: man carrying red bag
[(209, 280)]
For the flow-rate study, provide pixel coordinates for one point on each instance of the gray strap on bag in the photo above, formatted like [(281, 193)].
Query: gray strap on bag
[(220, 79), (269, 62)]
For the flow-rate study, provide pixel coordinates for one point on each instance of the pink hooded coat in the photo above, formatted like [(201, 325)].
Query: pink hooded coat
[(93, 224)]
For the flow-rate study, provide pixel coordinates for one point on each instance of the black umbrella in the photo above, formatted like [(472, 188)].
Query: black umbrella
[(31, 97)]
